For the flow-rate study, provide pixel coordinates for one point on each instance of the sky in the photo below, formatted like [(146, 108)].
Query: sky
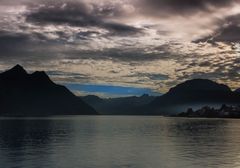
[(150, 45)]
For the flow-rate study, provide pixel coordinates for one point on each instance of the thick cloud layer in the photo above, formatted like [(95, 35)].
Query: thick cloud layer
[(142, 43), (186, 6), (228, 31), (81, 15)]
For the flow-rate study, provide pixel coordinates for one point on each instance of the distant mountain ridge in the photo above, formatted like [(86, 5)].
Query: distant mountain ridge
[(193, 93), (23, 94), (132, 105)]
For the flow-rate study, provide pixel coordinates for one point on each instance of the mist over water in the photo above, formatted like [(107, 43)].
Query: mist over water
[(119, 141)]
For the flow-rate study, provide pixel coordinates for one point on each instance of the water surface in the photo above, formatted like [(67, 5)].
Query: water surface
[(119, 142)]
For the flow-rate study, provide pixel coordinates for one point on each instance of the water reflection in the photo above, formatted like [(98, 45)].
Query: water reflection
[(207, 143), (28, 142), (115, 141)]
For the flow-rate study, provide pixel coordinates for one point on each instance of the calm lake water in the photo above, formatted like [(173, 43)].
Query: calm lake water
[(119, 142)]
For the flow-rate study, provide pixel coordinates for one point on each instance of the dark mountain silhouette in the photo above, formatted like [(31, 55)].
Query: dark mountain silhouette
[(237, 90), (119, 106), (23, 94), (195, 94)]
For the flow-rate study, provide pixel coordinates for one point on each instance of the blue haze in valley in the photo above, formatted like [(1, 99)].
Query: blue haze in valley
[(110, 90)]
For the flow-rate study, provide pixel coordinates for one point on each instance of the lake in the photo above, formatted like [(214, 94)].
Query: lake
[(119, 142)]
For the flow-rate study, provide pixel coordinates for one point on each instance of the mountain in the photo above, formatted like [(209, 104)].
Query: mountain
[(237, 90), (23, 94), (119, 106), (194, 93)]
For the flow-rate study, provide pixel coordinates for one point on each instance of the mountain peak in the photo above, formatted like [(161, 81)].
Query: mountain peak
[(40, 76), (16, 71), (23, 94), (18, 68), (199, 84)]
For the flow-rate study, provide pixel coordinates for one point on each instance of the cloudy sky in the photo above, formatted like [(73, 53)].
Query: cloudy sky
[(132, 46)]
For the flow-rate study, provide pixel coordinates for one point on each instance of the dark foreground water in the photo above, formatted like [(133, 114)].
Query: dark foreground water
[(119, 142)]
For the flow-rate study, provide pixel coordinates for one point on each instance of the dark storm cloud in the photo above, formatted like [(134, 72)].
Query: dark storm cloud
[(228, 31), (183, 6), (13, 2), (131, 55), (11, 43), (7, 38), (24, 47), (79, 14), (17, 43), (228, 34)]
